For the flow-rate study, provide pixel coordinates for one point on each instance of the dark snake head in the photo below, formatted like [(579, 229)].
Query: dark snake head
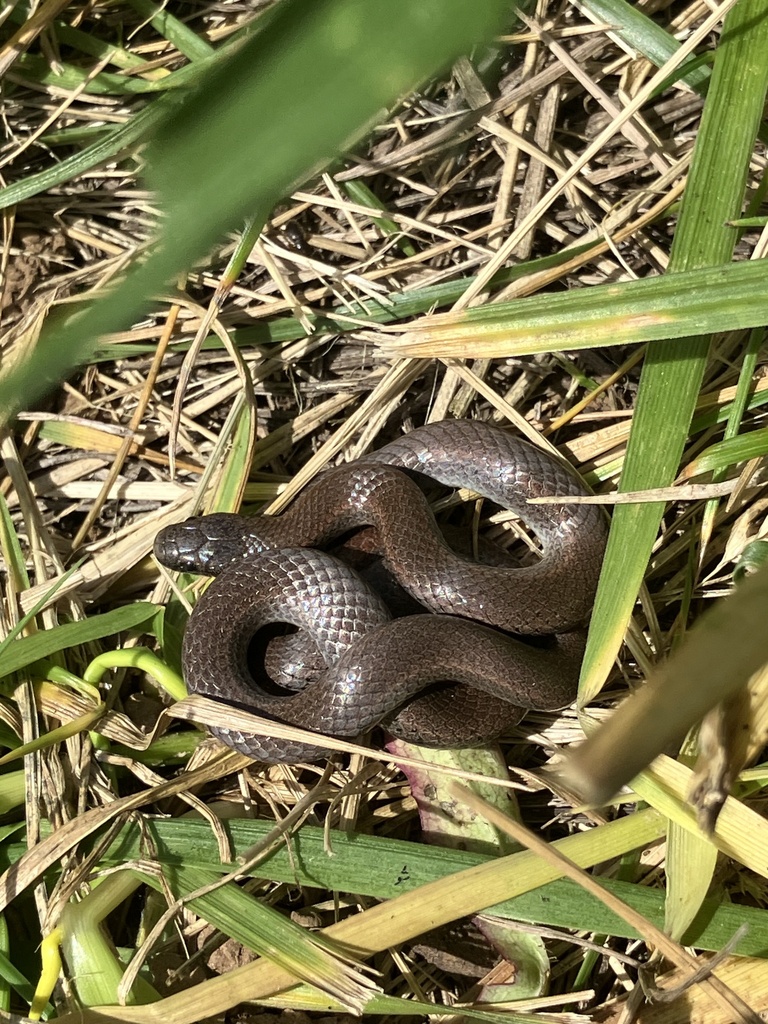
[(204, 544)]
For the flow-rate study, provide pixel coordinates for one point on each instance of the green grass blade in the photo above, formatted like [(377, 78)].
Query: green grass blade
[(315, 89), (106, 83), (399, 305), (717, 298), (185, 39), (84, 42), (13, 791), (384, 868), (89, 954), (116, 141), (725, 454), (671, 379), (689, 866), (28, 649), (673, 370), (12, 977), (637, 30), (283, 105), (266, 931), (412, 913)]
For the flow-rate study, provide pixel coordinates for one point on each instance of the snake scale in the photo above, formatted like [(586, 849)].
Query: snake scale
[(492, 642)]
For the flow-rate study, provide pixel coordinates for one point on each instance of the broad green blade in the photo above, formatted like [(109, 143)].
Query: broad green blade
[(718, 298), (281, 107), (673, 370)]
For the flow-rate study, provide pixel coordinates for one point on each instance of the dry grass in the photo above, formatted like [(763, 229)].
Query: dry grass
[(468, 173)]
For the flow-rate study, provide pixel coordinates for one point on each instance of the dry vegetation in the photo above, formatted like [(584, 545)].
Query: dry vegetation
[(160, 426)]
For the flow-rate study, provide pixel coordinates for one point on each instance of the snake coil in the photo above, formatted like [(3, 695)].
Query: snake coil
[(381, 670)]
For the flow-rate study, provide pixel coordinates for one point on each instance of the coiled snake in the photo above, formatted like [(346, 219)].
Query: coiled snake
[(382, 670)]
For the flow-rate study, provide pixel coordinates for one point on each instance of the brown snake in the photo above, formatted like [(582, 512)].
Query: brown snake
[(384, 671)]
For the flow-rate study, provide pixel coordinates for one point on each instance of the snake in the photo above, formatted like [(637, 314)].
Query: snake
[(487, 644)]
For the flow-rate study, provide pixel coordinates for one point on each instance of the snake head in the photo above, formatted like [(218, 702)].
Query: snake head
[(203, 544)]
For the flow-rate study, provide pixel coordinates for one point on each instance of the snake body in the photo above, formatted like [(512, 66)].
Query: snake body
[(384, 671)]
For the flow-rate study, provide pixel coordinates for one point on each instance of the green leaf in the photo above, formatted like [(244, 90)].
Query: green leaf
[(673, 370), (270, 115), (716, 298), (727, 453), (384, 868), (29, 649), (637, 30), (306, 86), (185, 39)]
